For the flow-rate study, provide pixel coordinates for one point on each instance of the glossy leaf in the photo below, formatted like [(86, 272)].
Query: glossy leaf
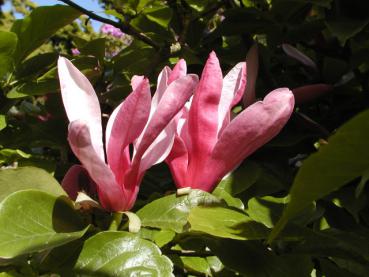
[(121, 254), (171, 212), (23, 178), (36, 221), (225, 223)]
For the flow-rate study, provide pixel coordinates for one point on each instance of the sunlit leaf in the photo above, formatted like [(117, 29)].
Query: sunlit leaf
[(171, 212), (225, 223), (36, 221), (121, 254)]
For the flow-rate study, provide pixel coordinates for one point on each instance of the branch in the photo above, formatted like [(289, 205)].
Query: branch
[(125, 27), (188, 253)]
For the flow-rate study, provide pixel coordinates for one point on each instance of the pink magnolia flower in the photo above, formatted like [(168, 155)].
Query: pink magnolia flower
[(208, 145), (111, 30), (139, 120)]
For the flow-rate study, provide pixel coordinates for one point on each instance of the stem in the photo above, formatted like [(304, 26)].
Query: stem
[(184, 253), (116, 221), (124, 26)]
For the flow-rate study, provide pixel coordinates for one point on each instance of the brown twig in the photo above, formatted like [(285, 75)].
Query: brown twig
[(123, 26)]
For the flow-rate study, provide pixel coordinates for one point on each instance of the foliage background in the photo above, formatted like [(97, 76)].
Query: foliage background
[(318, 164)]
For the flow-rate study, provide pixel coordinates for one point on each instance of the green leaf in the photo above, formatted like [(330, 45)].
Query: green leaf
[(95, 48), (171, 212), (8, 42), (121, 254), (335, 243), (198, 5), (36, 221), (36, 64), (225, 223), (134, 59), (2, 121), (229, 199), (160, 237), (341, 161), (41, 24), (345, 29), (22, 178), (34, 88), (197, 264), (11, 155), (242, 178), (159, 14)]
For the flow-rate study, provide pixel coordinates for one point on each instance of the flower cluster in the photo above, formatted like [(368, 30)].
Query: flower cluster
[(187, 123), (111, 30)]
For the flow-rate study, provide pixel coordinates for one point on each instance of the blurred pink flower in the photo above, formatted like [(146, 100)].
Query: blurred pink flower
[(208, 145), (111, 30), (75, 51), (138, 120)]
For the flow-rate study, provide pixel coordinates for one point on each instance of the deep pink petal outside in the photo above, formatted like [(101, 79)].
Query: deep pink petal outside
[(203, 118), (251, 129)]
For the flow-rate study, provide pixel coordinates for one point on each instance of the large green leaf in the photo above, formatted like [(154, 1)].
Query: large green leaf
[(225, 223), (22, 178), (34, 220), (41, 24), (342, 160), (8, 42), (171, 212), (121, 254)]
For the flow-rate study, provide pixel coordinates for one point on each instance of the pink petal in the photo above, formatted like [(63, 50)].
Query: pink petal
[(111, 195), (177, 161), (203, 117), (298, 55), (251, 129), (77, 179), (234, 84), (176, 95), (124, 126), (309, 93), (136, 81), (80, 101), (162, 85), (252, 63), (179, 70)]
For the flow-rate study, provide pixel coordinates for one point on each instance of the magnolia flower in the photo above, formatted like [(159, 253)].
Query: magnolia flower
[(138, 120), (208, 145)]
